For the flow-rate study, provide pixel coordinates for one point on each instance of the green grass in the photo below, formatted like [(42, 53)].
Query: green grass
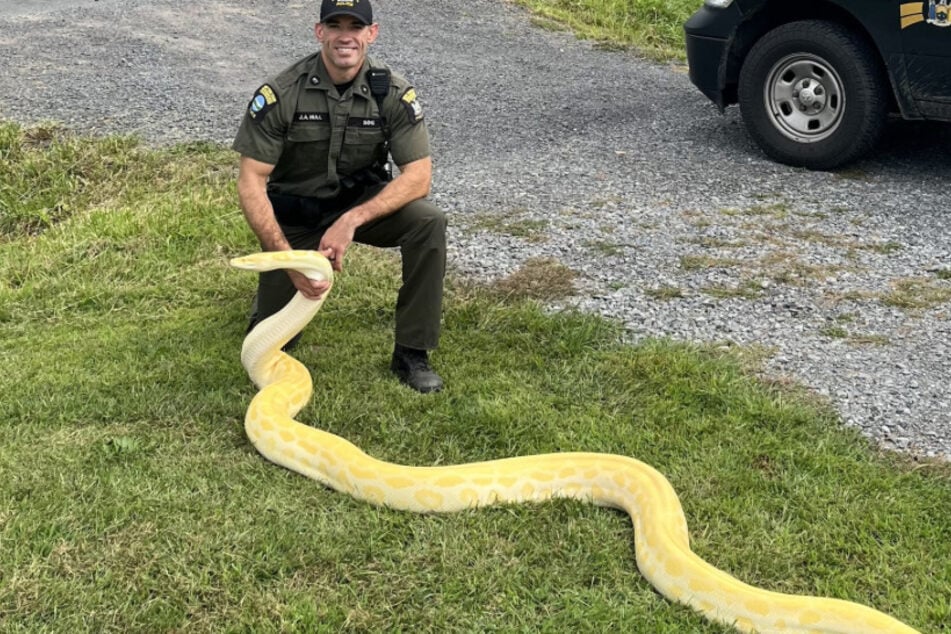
[(918, 293), (509, 223), (653, 27), (131, 500)]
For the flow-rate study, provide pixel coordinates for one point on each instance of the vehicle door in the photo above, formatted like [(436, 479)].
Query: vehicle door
[(926, 41)]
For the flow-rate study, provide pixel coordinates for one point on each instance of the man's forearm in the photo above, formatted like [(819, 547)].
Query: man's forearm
[(412, 184), (259, 213)]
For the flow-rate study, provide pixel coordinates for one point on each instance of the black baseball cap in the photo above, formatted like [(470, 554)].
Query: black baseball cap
[(359, 9)]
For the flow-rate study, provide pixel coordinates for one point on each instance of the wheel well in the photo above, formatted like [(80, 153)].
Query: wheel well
[(776, 13)]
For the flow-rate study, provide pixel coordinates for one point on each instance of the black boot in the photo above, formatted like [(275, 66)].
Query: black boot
[(412, 367)]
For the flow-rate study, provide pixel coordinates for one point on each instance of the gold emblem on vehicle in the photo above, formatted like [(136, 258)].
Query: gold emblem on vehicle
[(934, 12)]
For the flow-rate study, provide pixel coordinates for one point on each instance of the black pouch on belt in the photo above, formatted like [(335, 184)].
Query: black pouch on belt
[(304, 211)]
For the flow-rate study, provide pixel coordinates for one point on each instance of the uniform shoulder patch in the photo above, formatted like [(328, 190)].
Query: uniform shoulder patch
[(263, 100), (414, 111)]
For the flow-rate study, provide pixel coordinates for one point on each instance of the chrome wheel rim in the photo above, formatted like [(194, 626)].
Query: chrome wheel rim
[(805, 96)]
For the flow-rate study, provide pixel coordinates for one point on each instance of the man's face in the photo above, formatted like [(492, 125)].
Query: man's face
[(344, 42)]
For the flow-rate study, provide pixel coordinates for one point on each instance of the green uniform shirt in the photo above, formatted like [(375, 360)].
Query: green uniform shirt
[(314, 136)]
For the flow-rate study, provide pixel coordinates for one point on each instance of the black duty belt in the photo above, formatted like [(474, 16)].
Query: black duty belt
[(305, 211)]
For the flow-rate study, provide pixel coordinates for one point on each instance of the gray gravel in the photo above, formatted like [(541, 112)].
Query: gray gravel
[(547, 147)]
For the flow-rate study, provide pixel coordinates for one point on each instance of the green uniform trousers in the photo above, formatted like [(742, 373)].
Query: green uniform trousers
[(419, 230)]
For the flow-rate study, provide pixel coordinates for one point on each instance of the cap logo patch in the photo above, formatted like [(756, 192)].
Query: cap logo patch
[(359, 9)]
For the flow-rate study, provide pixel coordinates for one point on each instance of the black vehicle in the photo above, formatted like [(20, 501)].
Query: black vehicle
[(816, 79)]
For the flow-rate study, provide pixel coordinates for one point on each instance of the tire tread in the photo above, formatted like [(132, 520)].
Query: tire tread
[(866, 80)]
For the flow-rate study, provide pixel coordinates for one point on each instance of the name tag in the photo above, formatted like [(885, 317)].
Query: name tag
[(311, 117), (365, 122)]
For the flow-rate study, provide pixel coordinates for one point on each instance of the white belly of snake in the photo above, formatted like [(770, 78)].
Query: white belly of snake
[(660, 528)]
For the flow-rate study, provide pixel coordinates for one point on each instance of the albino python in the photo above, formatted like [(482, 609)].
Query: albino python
[(660, 528)]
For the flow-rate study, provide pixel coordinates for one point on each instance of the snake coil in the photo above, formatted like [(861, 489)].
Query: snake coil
[(660, 528)]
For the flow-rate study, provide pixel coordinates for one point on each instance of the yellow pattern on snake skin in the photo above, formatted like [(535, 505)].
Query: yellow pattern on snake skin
[(660, 529)]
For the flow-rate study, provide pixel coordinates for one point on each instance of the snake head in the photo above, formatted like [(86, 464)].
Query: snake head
[(313, 264)]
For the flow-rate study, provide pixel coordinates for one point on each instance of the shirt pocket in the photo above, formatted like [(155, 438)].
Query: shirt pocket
[(307, 147), (309, 133), (360, 148)]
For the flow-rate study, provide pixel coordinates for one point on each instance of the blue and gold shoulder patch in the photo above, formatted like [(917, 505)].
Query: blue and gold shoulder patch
[(414, 111), (263, 100)]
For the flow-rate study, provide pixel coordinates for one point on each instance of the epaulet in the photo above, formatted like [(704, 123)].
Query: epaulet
[(397, 81), (403, 90), (271, 93), (289, 77)]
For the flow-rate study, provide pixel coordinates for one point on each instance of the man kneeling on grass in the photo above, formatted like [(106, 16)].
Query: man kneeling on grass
[(315, 145)]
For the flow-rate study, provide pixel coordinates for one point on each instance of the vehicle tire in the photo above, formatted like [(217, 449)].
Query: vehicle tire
[(813, 94)]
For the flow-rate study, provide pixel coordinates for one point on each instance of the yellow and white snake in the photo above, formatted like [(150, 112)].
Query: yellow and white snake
[(660, 528)]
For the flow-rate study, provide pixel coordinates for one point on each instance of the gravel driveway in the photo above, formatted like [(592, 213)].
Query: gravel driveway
[(547, 147)]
